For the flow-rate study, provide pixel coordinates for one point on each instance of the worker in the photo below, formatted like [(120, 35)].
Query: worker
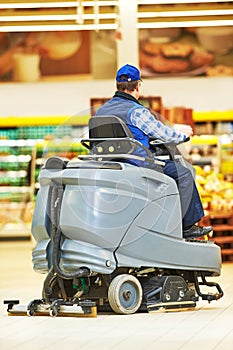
[(144, 126)]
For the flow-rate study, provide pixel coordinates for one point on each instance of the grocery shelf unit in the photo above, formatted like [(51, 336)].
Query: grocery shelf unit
[(25, 143), (17, 164), (205, 150), (214, 130), (222, 223), (213, 122), (226, 158), (152, 102), (214, 139)]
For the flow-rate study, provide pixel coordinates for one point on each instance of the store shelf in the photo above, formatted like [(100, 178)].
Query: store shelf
[(13, 121), (221, 215), (17, 162), (204, 140), (20, 163), (216, 149), (223, 239), (204, 150), (19, 186), (222, 228), (227, 252), (213, 123), (213, 116), (222, 223)]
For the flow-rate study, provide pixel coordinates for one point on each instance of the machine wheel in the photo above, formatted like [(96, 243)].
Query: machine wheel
[(125, 294), (53, 312), (30, 313)]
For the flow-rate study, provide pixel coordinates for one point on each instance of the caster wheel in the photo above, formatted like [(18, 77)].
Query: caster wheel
[(53, 312), (30, 313), (125, 294)]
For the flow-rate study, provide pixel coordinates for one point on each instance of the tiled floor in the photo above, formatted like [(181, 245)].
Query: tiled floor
[(207, 327)]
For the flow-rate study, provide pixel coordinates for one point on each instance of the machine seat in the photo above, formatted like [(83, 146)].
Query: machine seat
[(110, 139)]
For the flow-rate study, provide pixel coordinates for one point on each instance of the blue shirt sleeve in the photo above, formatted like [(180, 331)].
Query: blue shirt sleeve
[(145, 121)]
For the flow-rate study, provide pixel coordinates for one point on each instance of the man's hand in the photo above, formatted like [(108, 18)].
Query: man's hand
[(185, 129)]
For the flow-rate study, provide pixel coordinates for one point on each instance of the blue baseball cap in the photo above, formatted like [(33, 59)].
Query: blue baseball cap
[(128, 73)]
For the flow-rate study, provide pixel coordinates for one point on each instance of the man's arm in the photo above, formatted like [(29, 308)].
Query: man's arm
[(145, 121)]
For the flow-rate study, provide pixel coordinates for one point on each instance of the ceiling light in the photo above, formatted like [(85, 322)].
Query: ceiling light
[(177, 24)]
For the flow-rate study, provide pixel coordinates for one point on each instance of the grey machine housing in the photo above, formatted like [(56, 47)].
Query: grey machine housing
[(113, 230)]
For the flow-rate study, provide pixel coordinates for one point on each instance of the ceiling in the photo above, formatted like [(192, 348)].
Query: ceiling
[(49, 15)]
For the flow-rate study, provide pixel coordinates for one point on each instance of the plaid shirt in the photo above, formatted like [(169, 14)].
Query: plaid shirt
[(145, 121)]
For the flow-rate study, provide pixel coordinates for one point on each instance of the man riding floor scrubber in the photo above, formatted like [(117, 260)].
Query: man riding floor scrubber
[(108, 231)]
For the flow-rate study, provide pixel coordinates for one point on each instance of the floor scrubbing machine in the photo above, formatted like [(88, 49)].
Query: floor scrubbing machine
[(108, 231)]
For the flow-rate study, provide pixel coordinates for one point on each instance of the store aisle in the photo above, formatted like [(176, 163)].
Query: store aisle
[(208, 326)]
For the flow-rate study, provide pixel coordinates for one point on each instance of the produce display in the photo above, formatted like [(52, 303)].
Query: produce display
[(216, 192)]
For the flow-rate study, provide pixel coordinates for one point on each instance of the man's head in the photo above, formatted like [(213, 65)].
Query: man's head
[(128, 78)]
